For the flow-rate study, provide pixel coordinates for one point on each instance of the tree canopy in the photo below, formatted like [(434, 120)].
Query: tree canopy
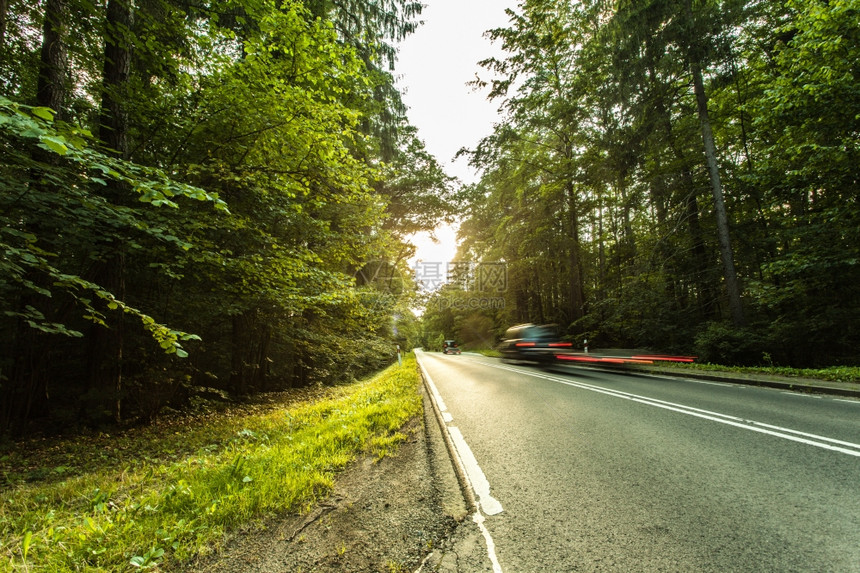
[(192, 196), (218, 196), (675, 174)]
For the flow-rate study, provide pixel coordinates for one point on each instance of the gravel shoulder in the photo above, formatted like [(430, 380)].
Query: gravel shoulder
[(404, 512)]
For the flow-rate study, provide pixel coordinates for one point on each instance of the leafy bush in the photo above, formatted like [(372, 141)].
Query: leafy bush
[(721, 343)]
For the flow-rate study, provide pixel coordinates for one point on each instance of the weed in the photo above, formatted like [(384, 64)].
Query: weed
[(149, 560), (25, 546)]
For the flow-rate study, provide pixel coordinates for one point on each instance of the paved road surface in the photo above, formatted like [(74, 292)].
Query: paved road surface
[(596, 471)]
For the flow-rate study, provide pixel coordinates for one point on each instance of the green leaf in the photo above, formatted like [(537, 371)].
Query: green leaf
[(25, 544), (55, 144), (45, 113)]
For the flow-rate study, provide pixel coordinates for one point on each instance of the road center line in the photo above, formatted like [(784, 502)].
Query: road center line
[(823, 442)]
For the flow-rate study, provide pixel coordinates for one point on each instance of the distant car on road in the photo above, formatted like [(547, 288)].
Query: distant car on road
[(532, 343), (450, 347)]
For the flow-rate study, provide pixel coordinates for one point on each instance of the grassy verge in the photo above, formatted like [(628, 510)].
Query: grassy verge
[(488, 352), (169, 507), (832, 374)]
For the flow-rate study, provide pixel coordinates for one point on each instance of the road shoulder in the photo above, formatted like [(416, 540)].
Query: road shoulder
[(393, 514)]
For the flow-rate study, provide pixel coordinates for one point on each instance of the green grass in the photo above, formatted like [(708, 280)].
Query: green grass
[(831, 374), (179, 491), (488, 352)]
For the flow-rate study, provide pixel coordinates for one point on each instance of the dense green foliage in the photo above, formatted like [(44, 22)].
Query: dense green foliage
[(850, 374), (201, 195), (628, 124), (194, 479)]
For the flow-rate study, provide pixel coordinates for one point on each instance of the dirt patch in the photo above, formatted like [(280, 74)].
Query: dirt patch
[(383, 516)]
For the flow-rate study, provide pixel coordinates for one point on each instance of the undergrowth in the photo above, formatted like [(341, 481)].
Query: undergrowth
[(831, 374), (160, 507)]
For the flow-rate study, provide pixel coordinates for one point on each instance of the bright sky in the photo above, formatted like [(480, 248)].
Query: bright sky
[(434, 65)]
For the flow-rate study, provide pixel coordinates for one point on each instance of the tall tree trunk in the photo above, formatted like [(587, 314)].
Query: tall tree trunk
[(628, 239), (577, 291), (113, 124), (238, 352), (50, 90), (4, 11), (601, 250), (705, 296), (106, 351), (261, 373), (695, 52), (27, 383), (732, 287)]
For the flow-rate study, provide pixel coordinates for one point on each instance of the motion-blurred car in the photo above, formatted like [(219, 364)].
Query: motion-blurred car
[(450, 347), (532, 343)]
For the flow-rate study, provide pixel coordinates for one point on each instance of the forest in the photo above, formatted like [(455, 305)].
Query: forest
[(215, 197), (680, 175), (201, 199)]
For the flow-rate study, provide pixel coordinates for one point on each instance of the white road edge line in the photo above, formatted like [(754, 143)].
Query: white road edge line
[(723, 384), (796, 395), (477, 479), (823, 442), (479, 519), (474, 475)]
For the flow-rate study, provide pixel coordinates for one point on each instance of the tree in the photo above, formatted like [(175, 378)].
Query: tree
[(622, 119), (262, 106), (804, 110), (39, 288)]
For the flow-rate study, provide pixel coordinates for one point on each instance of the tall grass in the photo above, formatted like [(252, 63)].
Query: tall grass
[(141, 514)]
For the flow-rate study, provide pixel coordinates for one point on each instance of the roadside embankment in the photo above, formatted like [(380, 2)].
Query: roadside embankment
[(760, 377), (169, 497)]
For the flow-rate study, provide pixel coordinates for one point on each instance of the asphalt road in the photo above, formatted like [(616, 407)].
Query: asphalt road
[(597, 471)]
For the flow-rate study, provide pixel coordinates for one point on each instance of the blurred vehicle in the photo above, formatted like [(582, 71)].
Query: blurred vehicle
[(450, 347), (532, 343)]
